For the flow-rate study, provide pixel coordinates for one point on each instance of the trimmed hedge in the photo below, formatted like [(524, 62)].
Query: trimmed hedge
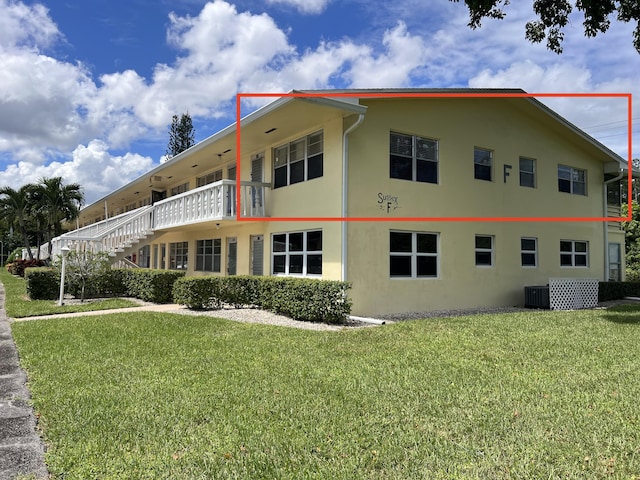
[(617, 290), (149, 285), (299, 298), (43, 283)]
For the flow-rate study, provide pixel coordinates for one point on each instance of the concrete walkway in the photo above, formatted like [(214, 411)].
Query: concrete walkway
[(164, 307), (21, 450)]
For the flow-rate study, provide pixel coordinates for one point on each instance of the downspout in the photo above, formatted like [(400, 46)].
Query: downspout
[(345, 183), (606, 224)]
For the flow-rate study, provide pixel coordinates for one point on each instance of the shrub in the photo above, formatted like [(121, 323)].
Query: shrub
[(42, 283), (150, 285), (242, 290), (198, 293), (306, 299), (617, 290), (17, 267), (298, 298)]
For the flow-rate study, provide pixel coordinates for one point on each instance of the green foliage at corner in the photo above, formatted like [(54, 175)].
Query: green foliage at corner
[(150, 285), (299, 298), (632, 242), (43, 283)]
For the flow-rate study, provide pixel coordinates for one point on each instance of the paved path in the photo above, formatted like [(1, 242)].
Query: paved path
[(21, 450)]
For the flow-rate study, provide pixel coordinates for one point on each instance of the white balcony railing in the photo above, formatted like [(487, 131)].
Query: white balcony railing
[(216, 201)]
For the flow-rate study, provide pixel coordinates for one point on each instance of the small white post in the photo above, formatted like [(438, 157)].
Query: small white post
[(65, 252)]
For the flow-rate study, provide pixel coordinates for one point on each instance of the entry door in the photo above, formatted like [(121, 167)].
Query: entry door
[(256, 193), (232, 255), (231, 193), (257, 254)]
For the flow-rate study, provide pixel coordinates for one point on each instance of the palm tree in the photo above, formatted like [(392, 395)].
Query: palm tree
[(57, 203), (15, 209)]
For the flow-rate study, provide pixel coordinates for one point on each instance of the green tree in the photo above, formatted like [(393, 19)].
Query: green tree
[(15, 208), (632, 241), (553, 16), (181, 135), (55, 203)]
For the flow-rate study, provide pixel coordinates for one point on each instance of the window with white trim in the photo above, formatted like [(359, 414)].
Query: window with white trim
[(208, 255), (178, 255), (572, 180), (209, 178), (484, 250), (413, 158), (574, 253), (482, 164), (527, 172), (299, 160), (297, 253), (529, 252), (413, 255)]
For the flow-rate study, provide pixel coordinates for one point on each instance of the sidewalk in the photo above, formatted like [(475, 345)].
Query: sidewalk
[(21, 450), (143, 308)]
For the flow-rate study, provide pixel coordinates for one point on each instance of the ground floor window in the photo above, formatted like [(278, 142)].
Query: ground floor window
[(297, 253), (574, 253), (178, 255), (529, 252), (208, 255), (413, 254), (484, 250)]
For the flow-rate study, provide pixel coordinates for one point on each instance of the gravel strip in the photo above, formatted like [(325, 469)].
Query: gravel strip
[(254, 315)]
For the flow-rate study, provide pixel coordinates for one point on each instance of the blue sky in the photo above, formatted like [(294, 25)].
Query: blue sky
[(88, 88)]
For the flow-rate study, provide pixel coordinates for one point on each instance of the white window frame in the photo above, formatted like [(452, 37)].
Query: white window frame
[(414, 255), (287, 254), (415, 158), (475, 162), (573, 253), (528, 174), (202, 254), (309, 154), (572, 182), (533, 252), (484, 250)]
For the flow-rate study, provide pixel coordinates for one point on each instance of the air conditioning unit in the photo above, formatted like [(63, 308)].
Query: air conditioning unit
[(537, 297)]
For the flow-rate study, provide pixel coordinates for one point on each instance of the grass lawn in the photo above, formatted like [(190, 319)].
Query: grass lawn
[(18, 305), (526, 395)]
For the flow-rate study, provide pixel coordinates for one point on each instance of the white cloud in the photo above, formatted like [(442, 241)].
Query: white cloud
[(92, 166), (26, 26), (304, 6)]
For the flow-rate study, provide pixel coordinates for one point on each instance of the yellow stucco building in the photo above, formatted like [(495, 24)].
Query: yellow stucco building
[(411, 170)]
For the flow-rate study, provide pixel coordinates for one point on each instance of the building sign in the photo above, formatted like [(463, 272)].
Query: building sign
[(388, 203)]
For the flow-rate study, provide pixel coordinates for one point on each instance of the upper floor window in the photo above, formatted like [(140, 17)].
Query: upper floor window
[(527, 172), (180, 189), (572, 180), (413, 158), (482, 163), (413, 254), (209, 178), (297, 253), (299, 160)]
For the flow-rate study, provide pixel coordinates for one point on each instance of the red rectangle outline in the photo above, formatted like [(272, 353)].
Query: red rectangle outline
[(628, 96)]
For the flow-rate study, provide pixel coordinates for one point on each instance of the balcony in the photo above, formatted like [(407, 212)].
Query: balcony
[(120, 235)]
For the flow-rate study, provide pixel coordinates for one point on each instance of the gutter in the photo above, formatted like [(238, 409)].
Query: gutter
[(345, 189), (606, 224)]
